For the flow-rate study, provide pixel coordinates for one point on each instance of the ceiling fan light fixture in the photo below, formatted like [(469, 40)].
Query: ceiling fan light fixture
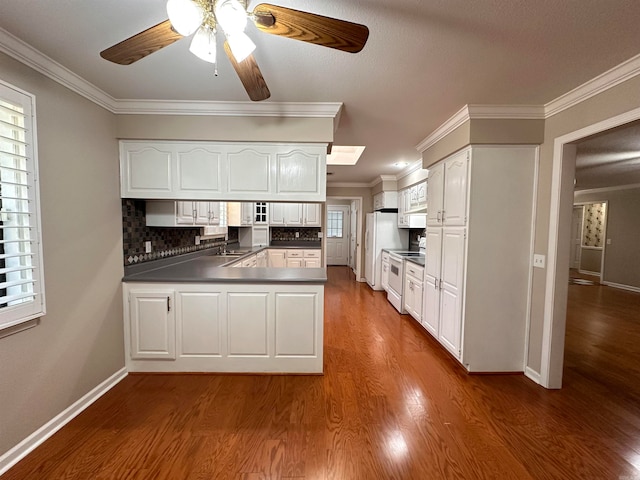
[(185, 16), (203, 44), (231, 15), (241, 45)]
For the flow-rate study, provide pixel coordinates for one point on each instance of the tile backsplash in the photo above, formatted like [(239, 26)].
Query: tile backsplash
[(165, 242), (289, 234)]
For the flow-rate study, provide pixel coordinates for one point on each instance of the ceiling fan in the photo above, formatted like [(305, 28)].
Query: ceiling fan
[(203, 17)]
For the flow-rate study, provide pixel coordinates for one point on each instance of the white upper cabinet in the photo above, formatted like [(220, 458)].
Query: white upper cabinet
[(223, 171), (311, 214), (293, 214), (249, 172), (199, 171), (385, 200), (146, 170), (447, 192), (276, 214)]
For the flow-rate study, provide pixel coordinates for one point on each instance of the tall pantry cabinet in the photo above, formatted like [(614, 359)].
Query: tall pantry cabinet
[(478, 255)]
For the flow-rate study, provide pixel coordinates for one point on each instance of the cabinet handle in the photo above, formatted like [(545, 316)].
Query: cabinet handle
[(443, 217), (168, 304), (438, 216), (435, 284)]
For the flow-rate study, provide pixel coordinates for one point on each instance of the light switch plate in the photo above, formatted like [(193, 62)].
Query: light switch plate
[(538, 260), (197, 239), (147, 247)]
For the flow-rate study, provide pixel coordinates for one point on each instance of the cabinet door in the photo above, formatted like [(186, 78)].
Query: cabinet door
[(152, 323), (146, 170), (214, 212), (276, 214), (452, 286), (261, 215), (417, 301), (261, 258), (401, 208), (202, 213), (199, 171), (295, 262), (414, 197), (185, 213), (260, 237), (293, 214), (431, 304), (301, 173), (455, 189), (277, 258), (247, 213), (311, 214), (312, 263), (199, 323), (249, 173), (407, 295), (435, 194), (378, 201), (422, 193)]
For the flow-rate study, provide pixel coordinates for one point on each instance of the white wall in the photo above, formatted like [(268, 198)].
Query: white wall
[(79, 343)]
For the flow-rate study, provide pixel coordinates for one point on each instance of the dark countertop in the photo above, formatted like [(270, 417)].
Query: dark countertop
[(417, 260), (203, 267)]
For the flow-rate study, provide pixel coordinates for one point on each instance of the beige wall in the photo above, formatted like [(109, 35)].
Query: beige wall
[(615, 101), (413, 178), (622, 257), (201, 127), (79, 342)]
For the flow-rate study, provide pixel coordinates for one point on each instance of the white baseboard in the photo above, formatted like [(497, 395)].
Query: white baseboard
[(26, 446), (587, 272), (622, 287), (531, 374)]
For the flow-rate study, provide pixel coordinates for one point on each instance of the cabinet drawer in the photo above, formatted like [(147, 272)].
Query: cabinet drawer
[(414, 270), (295, 254), (312, 254)]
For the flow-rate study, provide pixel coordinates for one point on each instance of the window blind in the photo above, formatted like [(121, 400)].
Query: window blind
[(21, 289)]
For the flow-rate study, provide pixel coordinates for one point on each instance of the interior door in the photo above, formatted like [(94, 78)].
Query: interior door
[(576, 235), (337, 242)]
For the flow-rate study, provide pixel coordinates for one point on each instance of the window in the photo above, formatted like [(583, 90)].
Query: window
[(334, 224), (21, 276)]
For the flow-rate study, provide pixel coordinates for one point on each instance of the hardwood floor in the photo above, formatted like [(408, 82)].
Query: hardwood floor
[(391, 405)]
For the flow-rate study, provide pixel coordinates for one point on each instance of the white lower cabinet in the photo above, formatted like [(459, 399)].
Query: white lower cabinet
[(277, 258), (224, 327), (261, 259), (152, 324), (412, 296), (478, 255)]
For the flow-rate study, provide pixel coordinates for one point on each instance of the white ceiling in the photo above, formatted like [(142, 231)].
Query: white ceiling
[(424, 60)]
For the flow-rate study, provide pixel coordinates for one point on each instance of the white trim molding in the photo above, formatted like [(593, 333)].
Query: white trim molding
[(471, 112), (26, 54), (17, 453), (562, 194), (532, 374), (631, 186), (621, 286), (348, 185), (593, 87)]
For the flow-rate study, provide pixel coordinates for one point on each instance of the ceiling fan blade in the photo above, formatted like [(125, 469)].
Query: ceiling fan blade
[(312, 28), (144, 43), (250, 76)]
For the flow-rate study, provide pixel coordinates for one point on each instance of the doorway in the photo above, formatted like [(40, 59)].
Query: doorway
[(559, 251), (354, 247)]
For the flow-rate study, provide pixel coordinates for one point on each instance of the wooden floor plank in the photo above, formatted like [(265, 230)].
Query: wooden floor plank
[(392, 404)]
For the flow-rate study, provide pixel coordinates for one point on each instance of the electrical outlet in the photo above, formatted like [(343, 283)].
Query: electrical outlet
[(147, 247), (538, 260), (608, 241), (197, 239), (297, 234), (319, 234)]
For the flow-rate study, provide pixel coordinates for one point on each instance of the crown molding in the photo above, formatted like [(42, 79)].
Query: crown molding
[(229, 109), (470, 112), (630, 186), (29, 56), (593, 87), (348, 185), (413, 167)]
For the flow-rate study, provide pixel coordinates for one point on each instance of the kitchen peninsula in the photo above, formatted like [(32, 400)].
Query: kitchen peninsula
[(196, 313)]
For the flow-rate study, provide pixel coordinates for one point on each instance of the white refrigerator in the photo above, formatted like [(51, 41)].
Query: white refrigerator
[(381, 232)]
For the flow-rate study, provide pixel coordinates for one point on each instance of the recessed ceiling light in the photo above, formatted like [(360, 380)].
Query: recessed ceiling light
[(341, 155), (401, 164)]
